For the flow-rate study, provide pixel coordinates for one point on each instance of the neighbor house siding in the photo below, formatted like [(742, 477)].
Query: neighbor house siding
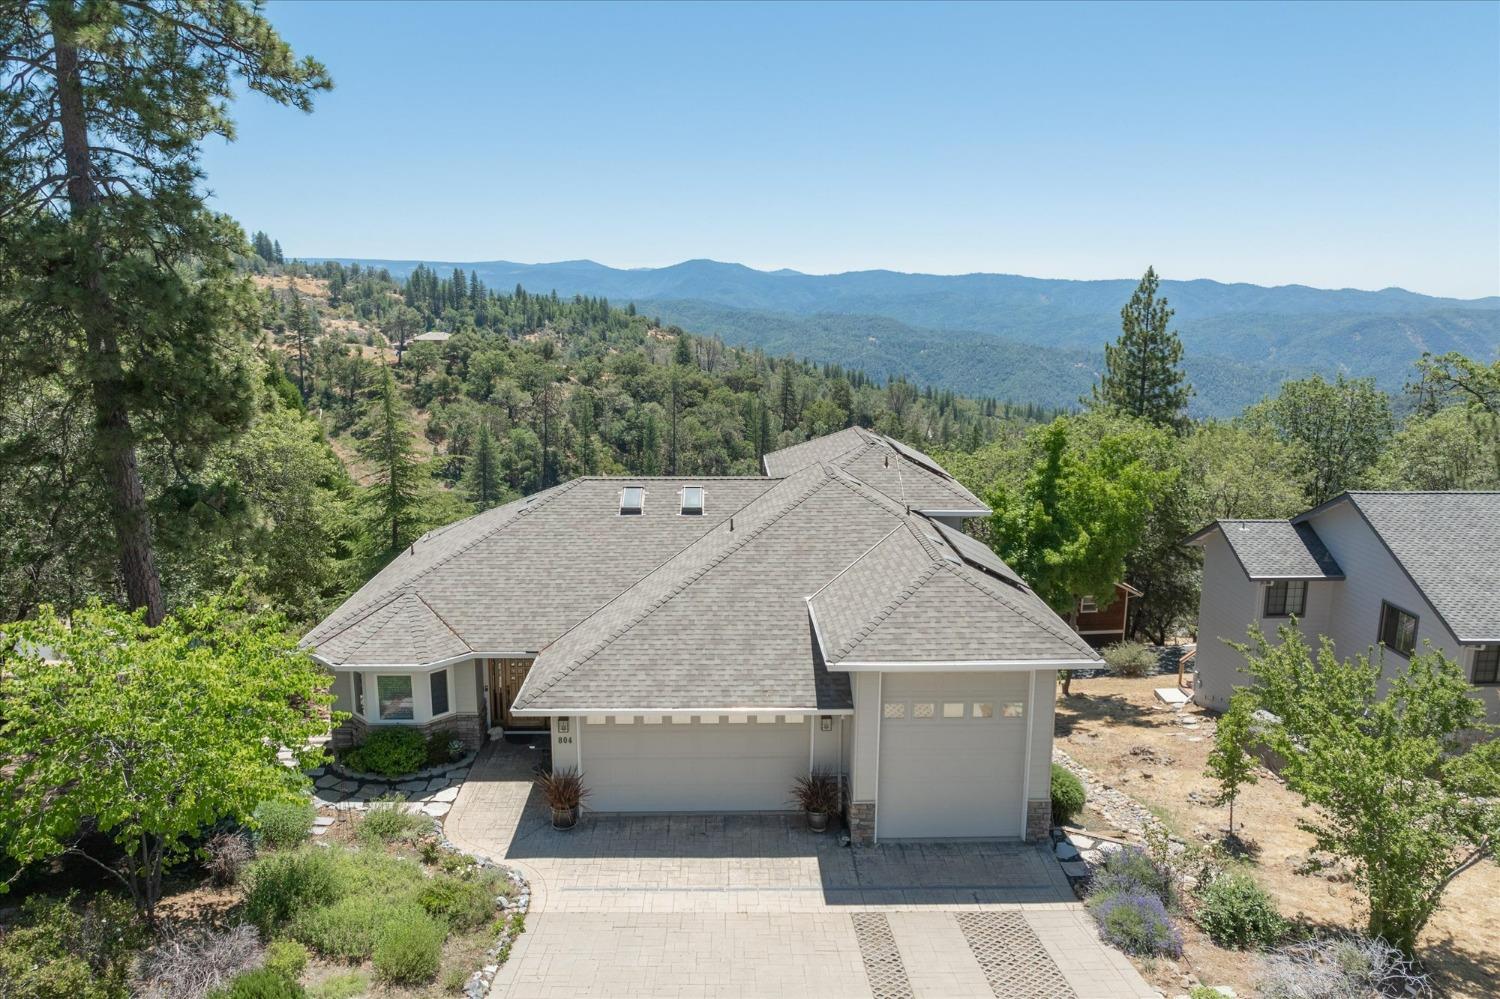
[(1227, 608)]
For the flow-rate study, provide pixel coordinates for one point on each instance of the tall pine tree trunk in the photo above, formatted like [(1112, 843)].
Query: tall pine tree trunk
[(114, 438)]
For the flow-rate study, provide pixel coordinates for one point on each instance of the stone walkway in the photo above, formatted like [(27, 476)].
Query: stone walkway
[(433, 796), (754, 905)]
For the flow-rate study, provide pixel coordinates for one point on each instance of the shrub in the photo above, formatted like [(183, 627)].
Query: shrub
[(1236, 912), (1131, 659), (443, 746), (1132, 871), (280, 824), (388, 821), (345, 930), (1067, 795), (1136, 923), (342, 986), (225, 856), (818, 792), (409, 950), (562, 789), (287, 957), (1336, 967), (461, 904), (389, 751), (1206, 992), (283, 884), (190, 966), (262, 983), (57, 950)]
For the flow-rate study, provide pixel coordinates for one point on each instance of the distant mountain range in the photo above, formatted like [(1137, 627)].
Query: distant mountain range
[(1027, 339)]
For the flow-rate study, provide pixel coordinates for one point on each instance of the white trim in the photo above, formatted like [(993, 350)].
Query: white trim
[(1026, 773), (967, 665), (738, 710), (1104, 631), (422, 667), (879, 712)]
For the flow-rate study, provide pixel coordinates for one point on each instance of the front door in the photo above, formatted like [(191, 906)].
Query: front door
[(506, 677)]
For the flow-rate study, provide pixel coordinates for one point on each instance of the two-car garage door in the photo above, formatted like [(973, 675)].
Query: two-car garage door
[(745, 765), (952, 755)]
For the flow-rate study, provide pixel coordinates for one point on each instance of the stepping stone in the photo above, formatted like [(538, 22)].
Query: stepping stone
[(449, 794), (1065, 851), (1075, 869), (438, 783), (1170, 695), (436, 809), (326, 781), (409, 786), (458, 774), (347, 786), (1082, 842), (322, 822)]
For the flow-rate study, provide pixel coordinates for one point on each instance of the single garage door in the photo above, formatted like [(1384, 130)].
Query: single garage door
[(699, 766), (952, 755)]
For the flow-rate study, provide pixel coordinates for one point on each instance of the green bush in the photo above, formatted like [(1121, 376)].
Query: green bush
[(281, 824), (389, 751), (56, 950), (1131, 659), (389, 821), (262, 983), (287, 958), (1067, 795), (347, 929), (440, 747), (341, 986), (461, 904), (1236, 912), (283, 884), (409, 951)]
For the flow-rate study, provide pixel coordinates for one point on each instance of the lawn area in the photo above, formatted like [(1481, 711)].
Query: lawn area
[(1117, 729)]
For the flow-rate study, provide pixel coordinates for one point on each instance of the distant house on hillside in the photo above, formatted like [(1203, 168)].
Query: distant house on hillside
[(1395, 570), (1101, 626), (433, 336)]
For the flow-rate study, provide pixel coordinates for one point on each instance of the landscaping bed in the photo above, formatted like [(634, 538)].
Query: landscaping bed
[(1117, 731)]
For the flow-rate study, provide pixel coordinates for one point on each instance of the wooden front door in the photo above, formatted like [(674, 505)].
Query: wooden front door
[(506, 677)]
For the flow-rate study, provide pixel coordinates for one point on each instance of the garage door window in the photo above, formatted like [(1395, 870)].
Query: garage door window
[(953, 709), (984, 709), (894, 709), (923, 709), (1014, 709)]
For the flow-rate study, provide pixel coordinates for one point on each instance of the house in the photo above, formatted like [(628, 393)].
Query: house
[(433, 336), (1101, 626), (1388, 569), (695, 644)]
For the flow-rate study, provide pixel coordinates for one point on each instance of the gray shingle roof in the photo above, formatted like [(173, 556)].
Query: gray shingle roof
[(1449, 544), (1275, 549), (898, 470)]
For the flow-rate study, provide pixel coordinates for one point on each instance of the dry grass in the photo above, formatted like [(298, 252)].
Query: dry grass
[(1117, 729)]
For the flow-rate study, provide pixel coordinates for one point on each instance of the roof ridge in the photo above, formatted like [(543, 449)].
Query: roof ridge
[(1067, 634), (878, 618), (547, 496), (856, 562), (361, 613), (392, 606), (442, 620), (681, 585)]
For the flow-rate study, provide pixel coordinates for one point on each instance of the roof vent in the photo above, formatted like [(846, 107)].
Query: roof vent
[(632, 501), (692, 501)]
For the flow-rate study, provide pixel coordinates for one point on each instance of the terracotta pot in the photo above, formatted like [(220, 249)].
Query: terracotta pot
[(817, 821), (564, 818)]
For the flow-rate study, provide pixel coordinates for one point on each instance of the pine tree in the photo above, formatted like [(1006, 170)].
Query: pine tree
[(482, 482), (299, 325), (1142, 376), (789, 413), (387, 444), (276, 252)]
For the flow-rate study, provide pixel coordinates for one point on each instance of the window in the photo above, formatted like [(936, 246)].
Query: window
[(894, 709), (1398, 629), (1013, 709), (984, 709), (924, 709), (953, 709), (692, 501), (359, 692), (1088, 605), (1286, 597), (439, 682), (1487, 664), (632, 501), (395, 700)]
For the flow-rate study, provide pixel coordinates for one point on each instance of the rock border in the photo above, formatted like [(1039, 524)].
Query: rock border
[(1079, 852), (478, 984), (427, 773)]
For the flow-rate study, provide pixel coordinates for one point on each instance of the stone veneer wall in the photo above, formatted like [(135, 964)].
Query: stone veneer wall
[(1038, 820), (862, 823), (469, 728)]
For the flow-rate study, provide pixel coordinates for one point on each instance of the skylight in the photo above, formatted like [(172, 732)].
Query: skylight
[(632, 501), (692, 501)]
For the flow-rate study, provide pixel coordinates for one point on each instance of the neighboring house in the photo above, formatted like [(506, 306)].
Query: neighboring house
[(432, 336), (1101, 626), (1397, 570), (695, 644)]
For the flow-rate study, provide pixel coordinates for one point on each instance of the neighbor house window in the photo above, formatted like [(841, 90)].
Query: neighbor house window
[(395, 698), (1088, 605), (1286, 597), (692, 501), (632, 501), (439, 682), (1398, 629), (358, 679), (1487, 664)]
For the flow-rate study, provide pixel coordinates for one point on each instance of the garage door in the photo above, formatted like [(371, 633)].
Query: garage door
[(695, 767), (952, 755)]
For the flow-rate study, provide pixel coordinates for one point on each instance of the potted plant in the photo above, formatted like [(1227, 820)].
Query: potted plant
[(818, 795), (564, 792)]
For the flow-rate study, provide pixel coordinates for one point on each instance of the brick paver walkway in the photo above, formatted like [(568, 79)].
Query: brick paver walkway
[(754, 905)]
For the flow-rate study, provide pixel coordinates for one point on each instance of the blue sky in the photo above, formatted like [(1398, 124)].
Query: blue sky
[(1337, 146)]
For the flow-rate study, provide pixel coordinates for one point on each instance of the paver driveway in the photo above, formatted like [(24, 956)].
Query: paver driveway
[(754, 905)]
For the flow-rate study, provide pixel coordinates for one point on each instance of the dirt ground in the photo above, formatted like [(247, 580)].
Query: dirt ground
[(1117, 729)]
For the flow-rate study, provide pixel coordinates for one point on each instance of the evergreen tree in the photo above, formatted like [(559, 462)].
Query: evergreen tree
[(482, 482), (387, 444), (276, 252), (1142, 377)]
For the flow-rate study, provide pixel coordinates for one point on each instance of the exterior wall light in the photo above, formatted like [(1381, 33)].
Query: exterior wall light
[(562, 725), (826, 723)]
